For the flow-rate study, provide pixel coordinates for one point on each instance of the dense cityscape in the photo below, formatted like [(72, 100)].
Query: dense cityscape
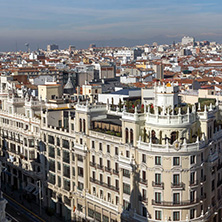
[(112, 133)]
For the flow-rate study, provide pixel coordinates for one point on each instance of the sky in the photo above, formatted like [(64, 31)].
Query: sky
[(106, 23)]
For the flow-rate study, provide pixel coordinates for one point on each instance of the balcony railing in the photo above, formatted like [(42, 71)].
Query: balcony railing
[(92, 164), (158, 184), (101, 183), (203, 179), (144, 181), (108, 169), (203, 197), (116, 172), (194, 183), (99, 166), (178, 185), (173, 203)]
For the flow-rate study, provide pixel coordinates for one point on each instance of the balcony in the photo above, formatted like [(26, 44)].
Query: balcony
[(178, 185), (92, 164), (116, 172), (108, 169), (158, 184), (203, 197), (203, 179), (99, 166), (173, 203), (144, 199), (143, 181), (194, 183), (101, 183)]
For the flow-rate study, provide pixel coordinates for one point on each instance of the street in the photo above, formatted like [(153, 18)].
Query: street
[(19, 212)]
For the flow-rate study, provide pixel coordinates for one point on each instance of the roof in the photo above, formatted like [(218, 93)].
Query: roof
[(124, 91)]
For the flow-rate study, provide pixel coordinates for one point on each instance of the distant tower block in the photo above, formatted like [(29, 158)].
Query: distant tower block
[(52, 47), (92, 45)]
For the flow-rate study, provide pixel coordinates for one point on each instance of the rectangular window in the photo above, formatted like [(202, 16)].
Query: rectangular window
[(176, 198), (158, 215), (100, 146), (116, 151), (127, 154), (157, 160), (158, 178), (80, 171), (108, 148), (192, 213), (192, 177), (126, 173), (176, 179), (192, 159), (157, 197), (126, 188), (93, 144), (192, 196), (176, 216), (144, 158), (176, 161)]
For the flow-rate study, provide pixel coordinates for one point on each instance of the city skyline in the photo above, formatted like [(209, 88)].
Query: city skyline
[(106, 23)]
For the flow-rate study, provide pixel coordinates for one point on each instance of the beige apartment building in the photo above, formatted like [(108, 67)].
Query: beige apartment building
[(160, 163)]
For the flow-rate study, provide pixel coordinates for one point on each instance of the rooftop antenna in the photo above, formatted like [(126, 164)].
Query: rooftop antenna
[(27, 45)]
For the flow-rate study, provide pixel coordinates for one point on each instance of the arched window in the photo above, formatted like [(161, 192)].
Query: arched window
[(126, 135), (153, 137), (80, 125), (84, 125), (173, 137), (131, 136)]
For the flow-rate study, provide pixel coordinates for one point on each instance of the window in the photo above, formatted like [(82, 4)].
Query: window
[(157, 197), (144, 158), (108, 148), (131, 136), (100, 146), (80, 171), (157, 160), (93, 144), (80, 186), (94, 175), (176, 161), (192, 213), (176, 198), (144, 175), (158, 215), (116, 151), (126, 173), (93, 159), (192, 177), (127, 154), (176, 216), (80, 141), (144, 212), (109, 197), (126, 188), (58, 166), (176, 179), (192, 196), (58, 141), (108, 164), (117, 184), (101, 178), (116, 167), (101, 161), (202, 157), (212, 185), (117, 200), (158, 178), (108, 181), (192, 159)]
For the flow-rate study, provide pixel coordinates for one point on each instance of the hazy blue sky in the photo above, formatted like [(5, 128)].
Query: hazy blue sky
[(80, 22)]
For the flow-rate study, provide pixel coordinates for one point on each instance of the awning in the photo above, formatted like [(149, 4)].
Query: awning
[(30, 188)]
